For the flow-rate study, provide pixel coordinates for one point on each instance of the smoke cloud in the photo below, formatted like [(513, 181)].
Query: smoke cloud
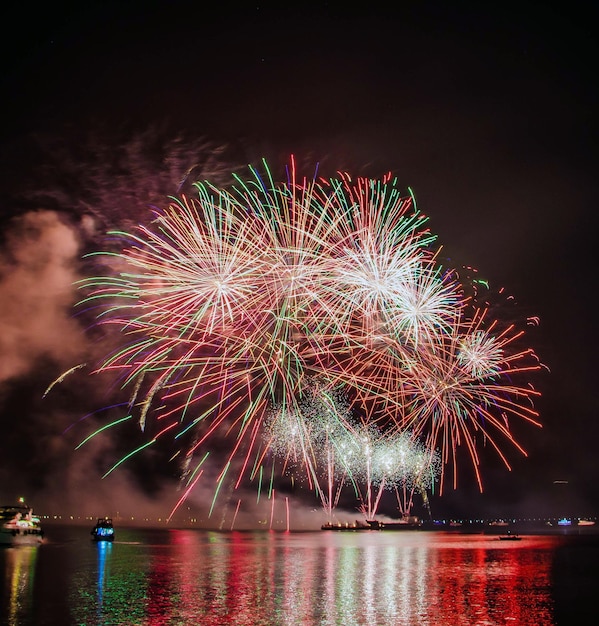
[(37, 276)]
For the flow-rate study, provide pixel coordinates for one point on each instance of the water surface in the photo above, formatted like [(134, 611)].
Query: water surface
[(168, 577)]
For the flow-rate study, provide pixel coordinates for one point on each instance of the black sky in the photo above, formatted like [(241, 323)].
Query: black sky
[(489, 113)]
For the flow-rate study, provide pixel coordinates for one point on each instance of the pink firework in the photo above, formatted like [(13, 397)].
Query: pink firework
[(231, 304)]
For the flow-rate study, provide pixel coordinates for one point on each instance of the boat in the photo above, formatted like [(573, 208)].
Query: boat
[(19, 526), (509, 537), (405, 523), (357, 525), (103, 530)]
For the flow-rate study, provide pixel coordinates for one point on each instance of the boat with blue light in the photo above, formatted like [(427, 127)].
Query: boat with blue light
[(103, 530)]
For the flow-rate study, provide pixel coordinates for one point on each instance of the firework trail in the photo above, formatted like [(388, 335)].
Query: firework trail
[(61, 378), (233, 303)]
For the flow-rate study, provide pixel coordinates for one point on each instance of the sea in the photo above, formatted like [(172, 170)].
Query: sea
[(160, 577)]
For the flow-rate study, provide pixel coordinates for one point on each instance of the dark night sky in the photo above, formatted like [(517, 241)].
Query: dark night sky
[(488, 113)]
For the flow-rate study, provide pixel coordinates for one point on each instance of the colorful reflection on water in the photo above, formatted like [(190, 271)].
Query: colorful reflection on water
[(18, 590), (185, 577)]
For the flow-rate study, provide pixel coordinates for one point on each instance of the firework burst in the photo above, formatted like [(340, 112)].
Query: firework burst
[(232, 304), (466, 390)]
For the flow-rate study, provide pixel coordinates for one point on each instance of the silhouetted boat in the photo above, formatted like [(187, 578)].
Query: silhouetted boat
[(103, 530), (406, 523), (19, 526), (509, 537), (357, 525)]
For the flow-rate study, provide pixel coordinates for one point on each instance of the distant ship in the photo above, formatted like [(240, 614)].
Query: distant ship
[(19, 526), (103, 530), (357, 525), (406, 523), (509, 537)]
